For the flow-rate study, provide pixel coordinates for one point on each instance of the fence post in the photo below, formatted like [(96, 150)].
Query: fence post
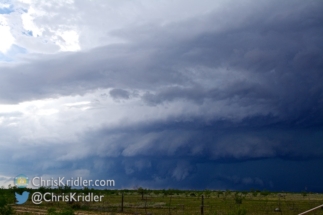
[(122, 202), (202, 205), (170, 201)]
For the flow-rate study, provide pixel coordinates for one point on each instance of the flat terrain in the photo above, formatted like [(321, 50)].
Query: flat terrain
[(183, 202)]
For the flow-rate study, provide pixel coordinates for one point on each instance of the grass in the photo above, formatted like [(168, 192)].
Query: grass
[(161, 202)]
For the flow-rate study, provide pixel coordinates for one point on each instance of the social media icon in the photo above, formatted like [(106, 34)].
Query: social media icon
[(21, 199), (21, 181)]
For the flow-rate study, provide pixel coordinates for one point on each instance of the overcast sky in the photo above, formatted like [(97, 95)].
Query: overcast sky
[(163, 94)]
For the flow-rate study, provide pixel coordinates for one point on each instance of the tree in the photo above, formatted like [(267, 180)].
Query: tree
[(238, 198), (207, 193), (142, 192)]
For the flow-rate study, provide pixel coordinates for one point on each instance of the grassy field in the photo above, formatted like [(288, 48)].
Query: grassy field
[(170, 202)]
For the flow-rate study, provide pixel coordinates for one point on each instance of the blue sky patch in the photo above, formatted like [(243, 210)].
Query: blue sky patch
[(28, 33), (13, 52), (6, 10)]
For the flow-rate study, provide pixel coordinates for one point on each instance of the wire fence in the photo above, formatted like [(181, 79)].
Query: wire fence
[(184, 204), (173, 205)]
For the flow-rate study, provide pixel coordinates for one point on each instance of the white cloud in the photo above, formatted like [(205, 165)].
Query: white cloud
[(81, 25), (43, 27), (28, 22), (6, 39), (69, 42), (5, 181), (4, 5)]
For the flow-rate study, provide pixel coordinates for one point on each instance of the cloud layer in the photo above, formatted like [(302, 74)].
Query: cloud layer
[(225, 96)]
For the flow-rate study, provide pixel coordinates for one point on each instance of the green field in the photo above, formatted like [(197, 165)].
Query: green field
[(143, 201)]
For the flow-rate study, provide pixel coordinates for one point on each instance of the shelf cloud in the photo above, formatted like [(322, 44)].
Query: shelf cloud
[(208, 95)]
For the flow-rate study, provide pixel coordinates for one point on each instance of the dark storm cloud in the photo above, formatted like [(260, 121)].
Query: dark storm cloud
[(282, 57), (71, 74), (187, 155), (222, 141), (119, 94), (259, 70)]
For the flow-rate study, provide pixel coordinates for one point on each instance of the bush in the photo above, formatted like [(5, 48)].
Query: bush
[(207, 193), (219, 193), (5, 209), (238, 198), (265, 193), (304, 194)]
